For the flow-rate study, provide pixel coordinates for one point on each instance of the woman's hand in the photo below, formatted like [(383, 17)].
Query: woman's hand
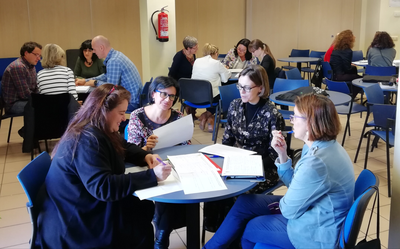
[(279, 144), (151, 142), (80, 82), (151, 160), (162, 171)]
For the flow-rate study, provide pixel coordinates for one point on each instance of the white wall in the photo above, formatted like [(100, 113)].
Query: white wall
[(156, 56)]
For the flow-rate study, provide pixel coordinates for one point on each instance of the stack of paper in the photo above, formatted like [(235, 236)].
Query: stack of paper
[(224, 150), (243, 167), (82, 89)]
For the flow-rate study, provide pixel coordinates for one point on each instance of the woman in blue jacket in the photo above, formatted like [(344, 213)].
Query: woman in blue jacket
[(320, 188)]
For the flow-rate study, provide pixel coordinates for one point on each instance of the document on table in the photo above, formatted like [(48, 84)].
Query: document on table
[(169, 185), (174, 133), (235, 70), (225, 150), (82, 89), (243, 165), (196, 173)]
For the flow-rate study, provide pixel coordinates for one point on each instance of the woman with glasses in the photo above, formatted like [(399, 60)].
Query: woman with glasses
[(87, 198), (239, 57), (88, 65), (381, 52), (210, 68), (251, 119), (320, 188), (163, 92)]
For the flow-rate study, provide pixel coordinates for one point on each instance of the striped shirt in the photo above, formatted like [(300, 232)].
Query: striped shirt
[(56, 80)]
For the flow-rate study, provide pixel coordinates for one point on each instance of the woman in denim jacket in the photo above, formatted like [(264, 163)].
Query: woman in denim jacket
[(320, 188)]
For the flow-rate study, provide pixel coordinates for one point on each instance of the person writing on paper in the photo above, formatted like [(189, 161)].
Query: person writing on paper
[(88, 201), (163, 94), (381, 52), (320, 188), (210, 68), (239, 57)]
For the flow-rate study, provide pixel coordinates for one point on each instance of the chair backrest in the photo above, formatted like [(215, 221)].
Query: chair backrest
[(228, 93), (51, 115), (293, 74), (144, 96), (382, 113), (337, 86), (326, 70), (4, 62), (300, 53), (287, 84), (72, 55), (374, 94), (316, 54), (380, 71), (33, 175), (364, 181), (357, 55), (195, 91)]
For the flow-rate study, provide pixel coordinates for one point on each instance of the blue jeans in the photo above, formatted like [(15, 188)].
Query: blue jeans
[(251, 220), (18, 107)]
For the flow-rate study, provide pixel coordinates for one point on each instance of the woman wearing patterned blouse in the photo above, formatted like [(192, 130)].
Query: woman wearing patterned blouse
[(239, 57), (163, 92)]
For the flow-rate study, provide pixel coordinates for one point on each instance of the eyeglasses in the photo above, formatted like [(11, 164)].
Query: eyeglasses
[(37, 55), (164, 95), (293, 117), (245, 88)]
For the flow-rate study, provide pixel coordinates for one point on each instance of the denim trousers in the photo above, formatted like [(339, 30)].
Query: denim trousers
[(251, 219)]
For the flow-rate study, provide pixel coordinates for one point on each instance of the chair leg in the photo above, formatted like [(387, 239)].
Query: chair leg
[(366, 151), (203, 235), (47, 147), (345, 129), (9, 129), (388, 167), (361, 137)]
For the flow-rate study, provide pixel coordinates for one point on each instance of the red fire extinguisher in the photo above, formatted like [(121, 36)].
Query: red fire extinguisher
[(162, 34)]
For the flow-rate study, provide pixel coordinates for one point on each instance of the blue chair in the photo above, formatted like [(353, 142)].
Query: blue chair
[(374, 95), (308, 69), (327, 70), (297, 53), (384, 118), (293, 74), (380, 71), (144, 98), (365, 187), (195, 93), (4, 115), (32, 178), (227, 94), (349, 109), (287, 85), (357, 55)]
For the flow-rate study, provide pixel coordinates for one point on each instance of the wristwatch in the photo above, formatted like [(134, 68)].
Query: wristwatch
[(95, 83)]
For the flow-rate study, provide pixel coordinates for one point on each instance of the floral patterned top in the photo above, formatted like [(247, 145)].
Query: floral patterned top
[(255, 136), (140, 127), (230, 59)]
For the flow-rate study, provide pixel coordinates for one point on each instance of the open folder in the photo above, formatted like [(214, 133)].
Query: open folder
[(243, 167)]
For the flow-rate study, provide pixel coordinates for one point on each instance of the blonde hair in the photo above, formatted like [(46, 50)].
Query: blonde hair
[(210, 49), (53, 55)]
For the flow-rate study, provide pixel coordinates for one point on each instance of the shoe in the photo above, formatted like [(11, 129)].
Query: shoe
[(21, 132), (210, 123), (203, 119), (162, 239)]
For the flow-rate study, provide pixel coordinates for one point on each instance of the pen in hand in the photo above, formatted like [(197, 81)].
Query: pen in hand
[(286, 132), (160, 161)]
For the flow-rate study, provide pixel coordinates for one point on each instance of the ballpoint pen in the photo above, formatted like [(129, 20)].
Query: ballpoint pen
[(159, 160), (286, 132)]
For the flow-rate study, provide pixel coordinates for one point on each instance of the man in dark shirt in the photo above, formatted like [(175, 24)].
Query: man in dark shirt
[(19, 78)]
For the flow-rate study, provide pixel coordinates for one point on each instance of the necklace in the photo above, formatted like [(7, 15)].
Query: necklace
[(89, 63)]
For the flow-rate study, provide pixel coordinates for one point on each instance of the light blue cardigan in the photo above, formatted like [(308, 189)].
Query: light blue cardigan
[(320, 193)]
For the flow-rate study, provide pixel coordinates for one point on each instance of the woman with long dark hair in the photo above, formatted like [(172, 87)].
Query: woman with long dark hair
[(88, 65), (239, 57)]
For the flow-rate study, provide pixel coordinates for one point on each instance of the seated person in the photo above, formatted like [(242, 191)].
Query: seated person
[(239, 57), (210, 68), (381, 52), (55, 77), (251, 119), (163, 94), (320, 188), (88, 65), (89, 201), (182, 63), (261, 51), (341, 57)]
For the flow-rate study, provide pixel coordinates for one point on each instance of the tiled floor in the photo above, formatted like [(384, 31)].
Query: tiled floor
[(15, 227)]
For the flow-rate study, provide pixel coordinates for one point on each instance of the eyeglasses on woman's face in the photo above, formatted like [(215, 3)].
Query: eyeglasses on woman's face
[(293, 118), (245, 88), (165, 95)]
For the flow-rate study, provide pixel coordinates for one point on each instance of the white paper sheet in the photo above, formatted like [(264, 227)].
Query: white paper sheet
[(196, 173), (235, 70), (82, 89), (169, 185), (224, 150), (174, 133), (242, 165)]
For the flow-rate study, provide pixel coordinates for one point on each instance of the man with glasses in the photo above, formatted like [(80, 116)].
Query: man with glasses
[(118, 70), (19, 79)]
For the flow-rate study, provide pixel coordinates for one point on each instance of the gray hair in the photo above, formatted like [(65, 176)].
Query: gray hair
[(189, 42)]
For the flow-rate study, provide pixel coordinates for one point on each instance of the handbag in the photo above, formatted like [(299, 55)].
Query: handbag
[(317, 77)]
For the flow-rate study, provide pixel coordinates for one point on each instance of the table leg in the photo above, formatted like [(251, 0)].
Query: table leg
[(299, 66), (193, 226)]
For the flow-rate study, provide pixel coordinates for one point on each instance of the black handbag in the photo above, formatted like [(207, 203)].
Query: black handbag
[(318, 76)]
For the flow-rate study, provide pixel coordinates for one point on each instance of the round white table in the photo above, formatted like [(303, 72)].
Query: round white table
[(299, 60), (336, 97), (361, 84)]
